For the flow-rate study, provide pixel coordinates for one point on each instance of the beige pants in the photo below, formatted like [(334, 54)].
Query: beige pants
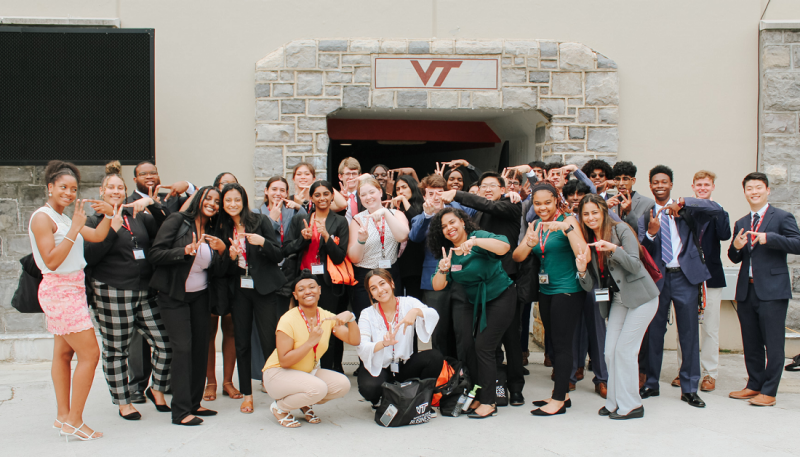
[(294, 389)]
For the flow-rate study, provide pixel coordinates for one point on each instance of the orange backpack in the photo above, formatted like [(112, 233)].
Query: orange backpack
[(342, 273)]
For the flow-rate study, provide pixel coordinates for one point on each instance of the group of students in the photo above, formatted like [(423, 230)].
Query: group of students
[(457, 258)]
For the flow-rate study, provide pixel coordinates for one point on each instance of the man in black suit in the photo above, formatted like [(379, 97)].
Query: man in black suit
[(145, 175), (763, 238)]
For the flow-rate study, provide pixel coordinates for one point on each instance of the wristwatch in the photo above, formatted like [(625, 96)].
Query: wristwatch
[(571, 228)]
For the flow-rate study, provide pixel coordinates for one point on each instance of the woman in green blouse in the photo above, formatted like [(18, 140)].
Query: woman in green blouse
[(472, 258), (554, 241)]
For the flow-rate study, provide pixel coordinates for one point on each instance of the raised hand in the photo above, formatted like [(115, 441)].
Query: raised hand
[(428, 207), (603, 246), (306, 232), (554, 226), (363, 231), (215, 243), (456, 163), (525, 190), (448, 196), (255, 239), (275, 211), (176, 189), (674, 208), (116, 222), (624, 203), (316, 334), (191, 248), (291, 205), (322, 230), (514, 197), (655, 223), (234, 250), (466, 246), (79, 216), (378, 214), (153, 193), (390, 182), (440, 168), (101, 207), (740, 240), (759, 237), (340, 319), (301, 195), (444, 263), (390, 337), (613, 201), (139, 205), (408, 320), (583, 259), (532, 235)]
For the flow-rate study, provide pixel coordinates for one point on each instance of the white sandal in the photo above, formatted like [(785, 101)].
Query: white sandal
[(60, 424), (288, 420), (311, 416), (76, 430)]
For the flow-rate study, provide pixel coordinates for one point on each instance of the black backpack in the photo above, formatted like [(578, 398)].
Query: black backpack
[(458, 384), (26, 297)]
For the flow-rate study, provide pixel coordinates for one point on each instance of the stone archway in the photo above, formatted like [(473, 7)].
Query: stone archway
[(302, 82)]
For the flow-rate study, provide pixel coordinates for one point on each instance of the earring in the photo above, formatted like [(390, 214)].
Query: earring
[(49, 194)]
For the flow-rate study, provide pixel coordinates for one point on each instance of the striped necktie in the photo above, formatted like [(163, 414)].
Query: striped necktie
[(666, 239), (754, 227)]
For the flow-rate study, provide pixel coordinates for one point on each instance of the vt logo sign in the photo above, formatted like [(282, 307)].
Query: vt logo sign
[(413, 72)]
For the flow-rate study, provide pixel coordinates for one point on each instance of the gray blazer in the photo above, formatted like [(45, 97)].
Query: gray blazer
[(636, 287), (639, 205)]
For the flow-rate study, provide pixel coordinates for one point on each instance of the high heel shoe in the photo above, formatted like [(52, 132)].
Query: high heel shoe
[(540, 403), (539, 412), (76, 430), (160, 408), (60, 424)]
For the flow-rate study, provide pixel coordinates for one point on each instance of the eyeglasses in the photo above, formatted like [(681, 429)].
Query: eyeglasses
[(350, 173), (488, 186), (623, 179), (512, 183), (597, 175), (148, 173)]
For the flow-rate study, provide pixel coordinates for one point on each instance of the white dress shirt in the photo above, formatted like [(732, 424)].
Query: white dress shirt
[(749, 238), (373, 328), (677, 244)]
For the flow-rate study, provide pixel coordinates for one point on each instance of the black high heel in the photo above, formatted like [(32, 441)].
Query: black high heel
[(539, 412), (134, 416), (160, 408), (540, 403)]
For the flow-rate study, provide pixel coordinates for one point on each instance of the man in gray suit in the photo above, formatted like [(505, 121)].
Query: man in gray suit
[(628, 204)]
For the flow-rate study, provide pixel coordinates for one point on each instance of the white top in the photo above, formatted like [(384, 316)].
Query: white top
[(373, 328), (198, 275), (675, 237), (372, 249), (75, 260)]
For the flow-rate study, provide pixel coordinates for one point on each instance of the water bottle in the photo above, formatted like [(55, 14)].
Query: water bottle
[(464, 401)]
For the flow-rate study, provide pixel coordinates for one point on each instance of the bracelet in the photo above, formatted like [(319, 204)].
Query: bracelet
[(108, 217), (361, 242), (69, 239), (530, 246)]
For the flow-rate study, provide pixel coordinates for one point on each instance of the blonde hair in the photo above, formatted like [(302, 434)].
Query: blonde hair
[(113, 168), (351, 163), (702, 174), (368, 180)]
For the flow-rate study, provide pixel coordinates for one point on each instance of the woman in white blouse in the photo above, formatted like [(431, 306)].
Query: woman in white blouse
[(388, 329)]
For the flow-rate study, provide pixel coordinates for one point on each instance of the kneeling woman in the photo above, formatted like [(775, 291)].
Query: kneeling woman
[(633, 301), (292, 375), (492, 295), (387, 338)]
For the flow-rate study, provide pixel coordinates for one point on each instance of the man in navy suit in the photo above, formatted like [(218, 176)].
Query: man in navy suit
[(666, 232), (763, 289)]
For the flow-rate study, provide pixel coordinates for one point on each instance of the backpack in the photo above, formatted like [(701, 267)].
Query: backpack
[(456, 385), (343, 272)]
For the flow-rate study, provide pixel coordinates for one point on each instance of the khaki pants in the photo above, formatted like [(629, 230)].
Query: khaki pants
[(293, 389)]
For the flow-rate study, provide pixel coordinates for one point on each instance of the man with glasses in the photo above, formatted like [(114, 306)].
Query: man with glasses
[(349, 171), (600, 173), (628, 204)]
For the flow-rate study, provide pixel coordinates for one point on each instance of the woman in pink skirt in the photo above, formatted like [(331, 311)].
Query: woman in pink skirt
[(57, 244)]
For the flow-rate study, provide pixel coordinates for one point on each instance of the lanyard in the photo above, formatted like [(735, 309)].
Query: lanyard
[(382, 233), (760, 220), (127, 226), (543, 239), (396, 319), (315, 235), (242, 247), (309, 331)]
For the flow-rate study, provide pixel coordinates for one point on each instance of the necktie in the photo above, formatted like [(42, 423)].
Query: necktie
[(666, 239), (353, 205), (754, 227)]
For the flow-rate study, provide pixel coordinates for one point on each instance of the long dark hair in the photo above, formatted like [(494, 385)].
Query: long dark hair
[(248, 218), (313, 189), (436, 239), (608, 223), (193, 211), (416, 195), (385, 274)]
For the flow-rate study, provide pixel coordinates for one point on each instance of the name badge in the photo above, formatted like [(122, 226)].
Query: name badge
[(544, 278), (246, 282), (385, 264), (395, 367), (602, 295), (316, 367), (455, 267), (317, 269), (138, 254)]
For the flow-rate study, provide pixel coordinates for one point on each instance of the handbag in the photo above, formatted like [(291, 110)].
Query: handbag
[(26, 297), (456, 385), (649, 264), (343, 272), (405, 403), (501, 386)]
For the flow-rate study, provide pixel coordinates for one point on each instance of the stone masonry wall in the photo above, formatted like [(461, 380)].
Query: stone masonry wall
[(22, 191), (779, 133), (299, 84)]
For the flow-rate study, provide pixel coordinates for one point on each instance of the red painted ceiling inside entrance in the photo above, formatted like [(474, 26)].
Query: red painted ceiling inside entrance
[(410, 130)]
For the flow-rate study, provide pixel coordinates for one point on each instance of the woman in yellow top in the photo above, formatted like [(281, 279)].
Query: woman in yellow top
[(292, 375)]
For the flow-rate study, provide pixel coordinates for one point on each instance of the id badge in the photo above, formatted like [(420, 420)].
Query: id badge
[(544, 278), (602, 295), (317, 269), (247, 282), (455, 267), (316, 367), (385, 264), (395, 367), (138, 254)]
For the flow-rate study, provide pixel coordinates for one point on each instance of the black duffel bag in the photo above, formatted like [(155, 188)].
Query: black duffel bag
[(459, 384), (26, 298), (405, 403)]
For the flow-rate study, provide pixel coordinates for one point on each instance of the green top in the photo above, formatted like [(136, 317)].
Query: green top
[(482, 275), (558, 263)]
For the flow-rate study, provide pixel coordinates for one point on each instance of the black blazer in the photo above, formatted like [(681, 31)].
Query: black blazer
[(172, 205), (335, 224), (771, 278), (172, 266), (719, 229), (262, 261), (500, 217)]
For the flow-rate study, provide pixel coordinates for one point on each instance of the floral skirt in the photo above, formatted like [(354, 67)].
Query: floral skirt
[(63, 300)]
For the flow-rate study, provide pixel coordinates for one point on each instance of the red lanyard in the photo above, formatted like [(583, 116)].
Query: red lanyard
[(127, 225), (315, 235), (242, 245), (309, 330), (396, 319), (760, 220), (543, 239), (382, 233)]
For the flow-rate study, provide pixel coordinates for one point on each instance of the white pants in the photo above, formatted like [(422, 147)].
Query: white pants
[(624, 333), (709, 329)]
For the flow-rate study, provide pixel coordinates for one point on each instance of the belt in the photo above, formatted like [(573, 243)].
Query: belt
[(751, 280), (674, 270)]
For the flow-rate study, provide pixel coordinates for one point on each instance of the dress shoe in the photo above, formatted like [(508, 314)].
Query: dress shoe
[(547, 362), (525, 356), (137, 396), (161, 408), (604, 411), (516, 399), (642, 380), (134, 416), (763, 400), (646, 392), (634, 414), (601, 389), (539, 412), (693, 399), (205, 412), (541, 403), (744, 394), (525, 371), (676, 382), (708, 384), (194, 421), (571, 387), (579, 373)]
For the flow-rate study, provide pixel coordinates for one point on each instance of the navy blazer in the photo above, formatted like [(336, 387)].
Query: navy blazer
[(692, 265), (716, 231), (771, 278)]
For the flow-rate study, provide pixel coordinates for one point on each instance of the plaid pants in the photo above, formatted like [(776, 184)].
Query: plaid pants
[(119, 314)]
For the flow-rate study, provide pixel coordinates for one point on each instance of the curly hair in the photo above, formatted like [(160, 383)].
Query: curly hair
[(547, 185), (597, 164), (624, 168), (436, 239), (658, 169)]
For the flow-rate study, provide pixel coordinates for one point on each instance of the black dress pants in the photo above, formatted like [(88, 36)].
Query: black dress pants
[(443, 338), (560, 315), (412, 286), (510, 341), (423, 365), (250, 306), (479, 350), (763, 325), (187, 326)]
